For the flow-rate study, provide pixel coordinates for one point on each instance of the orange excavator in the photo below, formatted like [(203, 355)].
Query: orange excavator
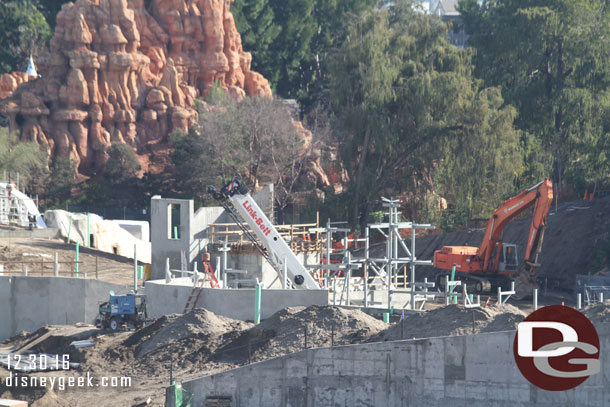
[(494, 263)]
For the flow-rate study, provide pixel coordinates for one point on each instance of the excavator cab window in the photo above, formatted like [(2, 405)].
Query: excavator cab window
[(508, 257)]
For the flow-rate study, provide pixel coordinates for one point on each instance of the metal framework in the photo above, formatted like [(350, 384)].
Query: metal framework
[(386, 274), (377, 272), (13, 210)]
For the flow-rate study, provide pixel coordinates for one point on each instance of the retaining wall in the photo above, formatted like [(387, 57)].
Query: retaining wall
[(47, 233), (27, 303), (163, 299), (466, 371)]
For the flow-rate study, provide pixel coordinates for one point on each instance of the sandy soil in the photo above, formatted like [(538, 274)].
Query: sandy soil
[(201, 343), (110, 267)]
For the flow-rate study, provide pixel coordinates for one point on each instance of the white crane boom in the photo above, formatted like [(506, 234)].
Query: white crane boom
[(277, 250)]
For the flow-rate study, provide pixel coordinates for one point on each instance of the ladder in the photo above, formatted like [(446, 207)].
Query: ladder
[(194, 297), (192, 300)]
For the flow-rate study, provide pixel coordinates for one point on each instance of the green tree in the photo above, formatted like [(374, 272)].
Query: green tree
[(25, 159), (413, 111), (50, 8), (550, 58), (123, 164), (194, 166), (255, 21), (23, 32), (480, 166), (290, 40), (63, 181)]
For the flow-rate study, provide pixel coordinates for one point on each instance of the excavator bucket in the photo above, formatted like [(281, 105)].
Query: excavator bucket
[(524, 286)]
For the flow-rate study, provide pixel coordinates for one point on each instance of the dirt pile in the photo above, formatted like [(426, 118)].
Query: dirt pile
[(50, 399), (573, 237), (186, 339), (295, 328), (453, 320)]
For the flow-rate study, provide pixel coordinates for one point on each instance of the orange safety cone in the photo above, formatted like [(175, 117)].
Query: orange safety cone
[(591, 196), (586, 198)]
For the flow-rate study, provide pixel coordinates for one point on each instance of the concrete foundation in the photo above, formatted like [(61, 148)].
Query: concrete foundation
[(163, 299), (256, 266), (28, 303), (468, 371)]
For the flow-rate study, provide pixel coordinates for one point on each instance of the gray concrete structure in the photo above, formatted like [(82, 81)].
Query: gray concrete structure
[(466, 371), (192, 227), (48, 233), (163, 299), (255, 266), (27, 303)]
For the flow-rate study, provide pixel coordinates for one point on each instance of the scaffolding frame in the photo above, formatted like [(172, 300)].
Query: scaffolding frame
[(13, 211), (383, 271)]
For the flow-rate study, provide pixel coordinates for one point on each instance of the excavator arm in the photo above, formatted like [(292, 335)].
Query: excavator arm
[(541, 196)]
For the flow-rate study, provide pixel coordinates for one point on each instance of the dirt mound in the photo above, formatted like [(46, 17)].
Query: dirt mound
[(573, 236), (453, 320), (292, 329), (50, 399), (23, 337), (199, 327)]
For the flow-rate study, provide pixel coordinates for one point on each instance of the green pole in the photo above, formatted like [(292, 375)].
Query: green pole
[(88, 240), (454, 297), (178, 394), (386, 317), (69, 228), (175, 232), (257, 304), (76, 267), (141, 272), (392, 310)]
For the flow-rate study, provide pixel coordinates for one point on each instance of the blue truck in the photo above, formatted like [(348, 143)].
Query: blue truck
[(120, 310)]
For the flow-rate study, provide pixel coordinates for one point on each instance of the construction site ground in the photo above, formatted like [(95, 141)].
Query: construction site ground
[(200, 343), (32, 251)]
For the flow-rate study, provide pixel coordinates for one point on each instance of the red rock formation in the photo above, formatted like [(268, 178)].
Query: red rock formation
[(10, 81), (117, 71)]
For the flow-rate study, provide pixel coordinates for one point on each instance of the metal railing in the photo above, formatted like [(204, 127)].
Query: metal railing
[(44, 268)]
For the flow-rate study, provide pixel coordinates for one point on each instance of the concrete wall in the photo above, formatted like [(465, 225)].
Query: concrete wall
[(27, 303), (468, 371), (163, 244), (256, 266), (163, 299), (48, 233), (193, 230)]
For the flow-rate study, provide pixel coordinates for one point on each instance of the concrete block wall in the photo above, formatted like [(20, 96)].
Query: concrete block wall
[(163, 299), (28, 303), (466, 371)]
